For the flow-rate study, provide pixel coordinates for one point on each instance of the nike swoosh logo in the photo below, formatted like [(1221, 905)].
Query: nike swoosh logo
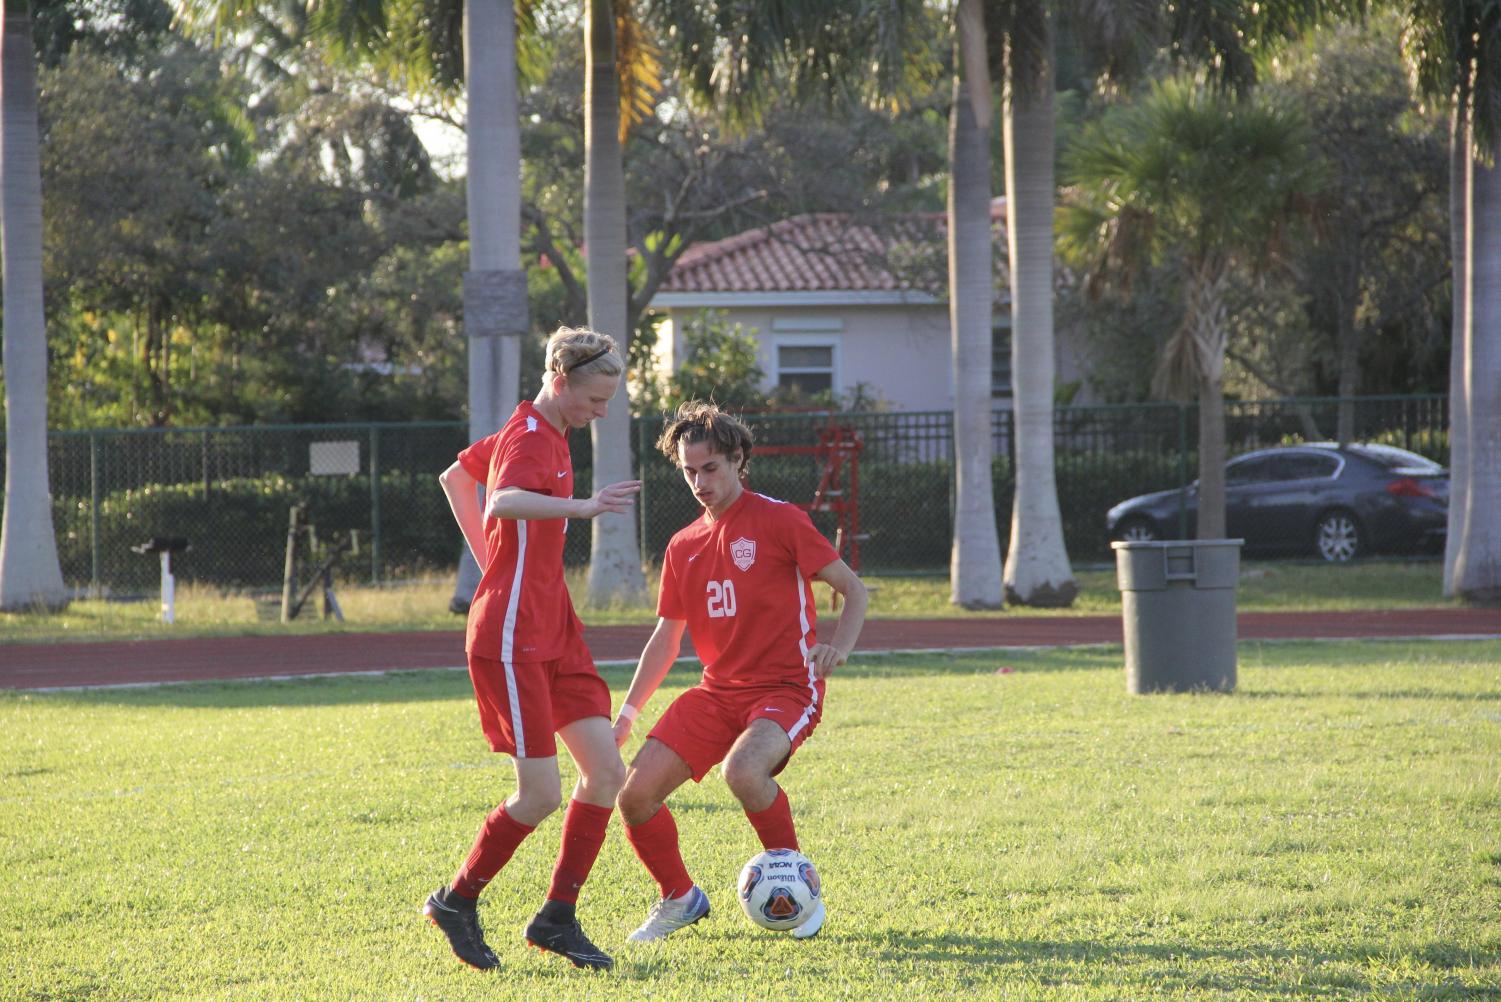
[(562, 473), (692, 557)]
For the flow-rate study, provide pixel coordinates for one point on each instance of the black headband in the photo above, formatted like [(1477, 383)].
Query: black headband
[(598, 354)]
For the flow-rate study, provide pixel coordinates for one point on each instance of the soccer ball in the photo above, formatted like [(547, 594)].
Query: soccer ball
[(779, 889)]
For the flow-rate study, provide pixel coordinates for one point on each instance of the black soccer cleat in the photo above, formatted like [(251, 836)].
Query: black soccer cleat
[(566, 938), (459, 920)]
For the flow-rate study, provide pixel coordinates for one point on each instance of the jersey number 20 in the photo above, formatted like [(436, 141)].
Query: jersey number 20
[(721, 599)]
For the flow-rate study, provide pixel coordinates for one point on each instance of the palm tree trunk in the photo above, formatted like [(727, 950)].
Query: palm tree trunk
[(495, 303), (975, 558), (614, 557), (30, 575), (1477, 565), (1207, 320), (1037, 571), (1460, 159), (1211, 458), (1347, 354)]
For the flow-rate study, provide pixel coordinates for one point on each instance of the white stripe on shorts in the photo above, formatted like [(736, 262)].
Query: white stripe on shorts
[(508, 641), (802, 644)]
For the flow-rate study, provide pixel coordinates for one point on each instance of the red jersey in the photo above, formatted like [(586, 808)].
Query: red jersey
[(744, 585), (521, 610)]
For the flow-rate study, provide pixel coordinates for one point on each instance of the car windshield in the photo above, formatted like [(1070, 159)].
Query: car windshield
[(1398, 460)]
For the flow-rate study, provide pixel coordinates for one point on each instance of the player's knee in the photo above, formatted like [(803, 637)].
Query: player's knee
[(605, 779), (539, 800), (635, 804), (745, 777)]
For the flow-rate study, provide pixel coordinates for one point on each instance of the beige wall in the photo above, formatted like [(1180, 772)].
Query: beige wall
[(901, 351)]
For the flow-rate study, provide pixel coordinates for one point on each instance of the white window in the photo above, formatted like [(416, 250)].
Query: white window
[(805, 353)]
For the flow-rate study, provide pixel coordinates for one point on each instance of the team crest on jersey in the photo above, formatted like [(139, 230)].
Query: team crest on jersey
[(743, 552)]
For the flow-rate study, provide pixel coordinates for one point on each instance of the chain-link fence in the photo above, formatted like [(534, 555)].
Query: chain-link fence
[(229, 490)]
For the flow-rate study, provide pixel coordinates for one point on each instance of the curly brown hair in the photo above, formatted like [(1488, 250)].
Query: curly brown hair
[(703, 421)]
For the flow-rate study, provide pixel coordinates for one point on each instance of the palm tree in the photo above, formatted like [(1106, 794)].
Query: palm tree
[(496, 314), (614, 553), (1037, 570), (30, 575), (975, 556), (1456, 48), (1477, 563), (1210, 182)]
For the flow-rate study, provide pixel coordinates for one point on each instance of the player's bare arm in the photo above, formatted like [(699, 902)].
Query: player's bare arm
[(463, 498), (656, 660), (513, 502), (826, 656)]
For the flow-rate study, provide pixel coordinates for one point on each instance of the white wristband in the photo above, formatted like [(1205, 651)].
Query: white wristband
[(628, 712)]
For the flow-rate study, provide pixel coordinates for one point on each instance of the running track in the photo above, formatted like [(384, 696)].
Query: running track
[(31, 666)]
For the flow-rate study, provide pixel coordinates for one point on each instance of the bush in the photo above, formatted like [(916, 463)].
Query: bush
[(238, 532)]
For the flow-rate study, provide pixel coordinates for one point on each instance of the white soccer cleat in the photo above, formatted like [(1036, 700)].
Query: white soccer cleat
[(810, 928), (671, 914)]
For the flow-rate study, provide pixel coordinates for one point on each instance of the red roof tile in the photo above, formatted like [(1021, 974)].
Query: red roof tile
[(815, 252)]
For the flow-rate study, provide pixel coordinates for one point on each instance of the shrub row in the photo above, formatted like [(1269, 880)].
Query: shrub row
[(238, 528)]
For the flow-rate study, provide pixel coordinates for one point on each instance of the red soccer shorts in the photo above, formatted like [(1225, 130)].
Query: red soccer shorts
[(523, 703), (702, 724)]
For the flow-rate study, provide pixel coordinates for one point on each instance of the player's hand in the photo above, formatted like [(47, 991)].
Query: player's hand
[(824, 658), (617, 498), (622, 730)]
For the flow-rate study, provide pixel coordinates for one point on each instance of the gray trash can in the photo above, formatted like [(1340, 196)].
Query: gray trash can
[(1178, 608)]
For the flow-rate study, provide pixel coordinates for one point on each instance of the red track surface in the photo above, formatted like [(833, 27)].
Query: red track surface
[(28, 666)]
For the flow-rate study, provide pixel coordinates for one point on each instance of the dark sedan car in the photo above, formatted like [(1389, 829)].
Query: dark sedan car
[(1339, 503)]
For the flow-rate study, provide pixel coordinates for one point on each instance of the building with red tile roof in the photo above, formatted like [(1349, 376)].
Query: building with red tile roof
[(840, 302)]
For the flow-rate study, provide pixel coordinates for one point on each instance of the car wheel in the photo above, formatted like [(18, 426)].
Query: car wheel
[(1337, 537), (1136, 530)]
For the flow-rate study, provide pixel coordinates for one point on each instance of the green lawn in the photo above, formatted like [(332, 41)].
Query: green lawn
[(1328, 831), (424, 605)]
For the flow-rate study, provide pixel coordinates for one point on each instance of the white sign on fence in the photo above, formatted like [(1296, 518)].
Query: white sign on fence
[(334, 459)]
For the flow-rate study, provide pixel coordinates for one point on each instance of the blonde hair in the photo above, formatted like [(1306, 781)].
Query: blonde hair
[(578, 352), (703, 421)]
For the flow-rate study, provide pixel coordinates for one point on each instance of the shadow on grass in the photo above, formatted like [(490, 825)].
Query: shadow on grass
[(1441, 695), (1164, 966)]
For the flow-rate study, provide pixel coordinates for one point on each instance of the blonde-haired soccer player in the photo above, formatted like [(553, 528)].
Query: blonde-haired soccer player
[(533, 675)]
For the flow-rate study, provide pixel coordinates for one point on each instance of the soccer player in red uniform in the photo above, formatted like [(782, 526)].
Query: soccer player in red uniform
[(739, 579), (533, 675)]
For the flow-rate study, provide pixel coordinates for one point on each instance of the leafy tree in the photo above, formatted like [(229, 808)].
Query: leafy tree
[(128, 236), (719, 363), (1379, 256)]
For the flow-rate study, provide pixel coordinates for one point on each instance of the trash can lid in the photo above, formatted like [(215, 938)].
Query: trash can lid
[(1161, 544)]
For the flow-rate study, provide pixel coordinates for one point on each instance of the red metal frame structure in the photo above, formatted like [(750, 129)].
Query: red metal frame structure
[(838, 491)]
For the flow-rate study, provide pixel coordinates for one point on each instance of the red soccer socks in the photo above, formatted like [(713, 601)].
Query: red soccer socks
[(656, 845), (497, 840), (583, 833), (774, 824)]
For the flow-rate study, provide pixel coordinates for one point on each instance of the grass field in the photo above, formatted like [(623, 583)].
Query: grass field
[(1329, 831), (424, 605)]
